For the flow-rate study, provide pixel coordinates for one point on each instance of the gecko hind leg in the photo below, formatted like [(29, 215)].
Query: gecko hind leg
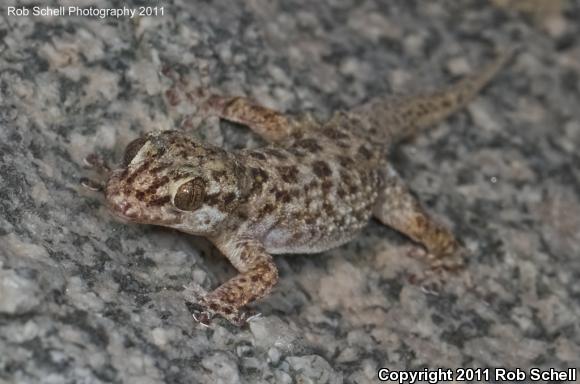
[(397, 208)]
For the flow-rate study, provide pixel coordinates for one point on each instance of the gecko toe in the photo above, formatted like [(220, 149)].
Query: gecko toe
[(200, 313), (203, 318), (91, 185)]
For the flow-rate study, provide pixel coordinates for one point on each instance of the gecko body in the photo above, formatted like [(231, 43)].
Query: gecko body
[(314, 187)]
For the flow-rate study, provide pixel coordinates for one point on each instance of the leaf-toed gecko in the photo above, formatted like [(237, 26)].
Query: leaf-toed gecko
[(311, 189)]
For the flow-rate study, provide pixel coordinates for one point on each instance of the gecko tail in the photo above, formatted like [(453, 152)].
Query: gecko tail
[(401, 119)]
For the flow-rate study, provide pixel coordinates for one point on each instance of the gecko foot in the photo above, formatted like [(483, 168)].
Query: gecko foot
[(450, 261), (206, 309), (441, 268), (99, 165)]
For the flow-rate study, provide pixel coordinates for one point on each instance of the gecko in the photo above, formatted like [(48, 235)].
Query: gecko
[(313, 187)]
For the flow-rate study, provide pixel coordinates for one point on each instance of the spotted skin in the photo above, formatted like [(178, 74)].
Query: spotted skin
[(314, 187)]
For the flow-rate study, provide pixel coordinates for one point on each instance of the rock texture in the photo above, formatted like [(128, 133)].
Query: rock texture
[(84, 298)]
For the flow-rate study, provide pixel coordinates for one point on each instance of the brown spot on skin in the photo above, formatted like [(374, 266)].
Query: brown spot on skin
[(160, 152), (345, 177), (321, 169), (315, 231), (420, 222), (259, 177), (313, 184), (229, 198), (309, 144), (140, 195), (423, 109), (344, 161), (295, 193), (258, 155), (364, 178), (364, 152), (276, 153), (242, 215), (259, 174), (159, 201), (334, 134), (298, 152), (244, 255), (296, 236), (156, 184), (138, 171), (328, 208), (289, 174), (169, 132), (213, 200), (360, 215), (179, 174), (282, 196), (158, 168), (298, 134), (266, 209), (310, 220), (326, 186)]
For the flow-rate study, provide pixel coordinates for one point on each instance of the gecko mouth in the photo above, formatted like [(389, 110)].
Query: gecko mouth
[(131, 210), (129, 213)]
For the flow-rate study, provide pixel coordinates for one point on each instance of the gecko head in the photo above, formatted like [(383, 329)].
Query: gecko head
[(171, 180)]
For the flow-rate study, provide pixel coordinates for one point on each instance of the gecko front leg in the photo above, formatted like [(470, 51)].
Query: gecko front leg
[(258, 274), (272, 125), (98, 164)]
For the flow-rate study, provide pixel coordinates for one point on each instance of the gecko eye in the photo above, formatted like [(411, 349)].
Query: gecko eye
[(132, 149), (190, 195)]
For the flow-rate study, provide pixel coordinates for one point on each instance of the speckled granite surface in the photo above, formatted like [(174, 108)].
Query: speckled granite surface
[(84, 299)]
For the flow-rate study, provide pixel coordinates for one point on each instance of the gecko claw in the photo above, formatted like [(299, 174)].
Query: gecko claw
[(254, 317), (92, 185), (203, 318), (200, 314)]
